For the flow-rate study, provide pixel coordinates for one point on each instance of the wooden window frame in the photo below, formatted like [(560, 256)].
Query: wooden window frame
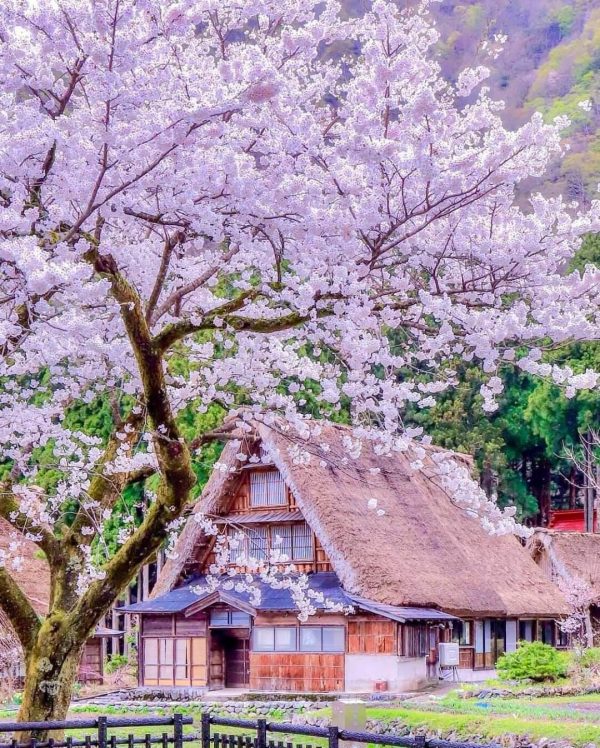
[(272, 529), (252, 476), (298, 649), (190, 663), (229, 624)]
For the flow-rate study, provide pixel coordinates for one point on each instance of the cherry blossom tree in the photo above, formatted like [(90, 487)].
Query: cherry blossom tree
[(231, 203)]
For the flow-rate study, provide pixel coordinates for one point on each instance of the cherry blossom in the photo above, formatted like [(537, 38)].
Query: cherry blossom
[(291, 201)]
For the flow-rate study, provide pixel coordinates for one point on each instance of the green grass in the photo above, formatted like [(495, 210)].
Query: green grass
[(553, 718)]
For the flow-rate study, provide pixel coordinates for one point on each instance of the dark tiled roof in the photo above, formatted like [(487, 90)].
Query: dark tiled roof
[(401, 613), (272, 599)]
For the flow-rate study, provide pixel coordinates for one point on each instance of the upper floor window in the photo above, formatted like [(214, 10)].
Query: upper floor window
[(294, 542), (267, 488)]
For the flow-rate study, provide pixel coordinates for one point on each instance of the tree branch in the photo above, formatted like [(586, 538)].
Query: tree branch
[(19, 610)]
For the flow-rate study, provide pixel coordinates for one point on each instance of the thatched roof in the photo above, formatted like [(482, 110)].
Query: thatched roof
[(571, 556), (33, 576), (424, 551)]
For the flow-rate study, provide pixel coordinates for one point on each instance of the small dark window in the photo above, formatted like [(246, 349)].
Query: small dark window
[(229, 619)]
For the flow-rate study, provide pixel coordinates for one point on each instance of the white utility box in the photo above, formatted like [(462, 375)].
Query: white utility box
[(449, 654)]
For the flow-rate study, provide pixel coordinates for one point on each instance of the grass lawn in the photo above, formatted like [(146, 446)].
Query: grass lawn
[(575, 719)]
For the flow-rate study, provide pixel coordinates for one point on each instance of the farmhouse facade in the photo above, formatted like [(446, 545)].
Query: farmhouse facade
[(397, 571)]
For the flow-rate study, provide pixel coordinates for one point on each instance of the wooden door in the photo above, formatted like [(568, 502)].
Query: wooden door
[(237, 663), (433, 635)]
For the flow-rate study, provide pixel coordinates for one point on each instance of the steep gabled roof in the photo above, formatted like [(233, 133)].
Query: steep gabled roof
[(573, 555), (424, 551)]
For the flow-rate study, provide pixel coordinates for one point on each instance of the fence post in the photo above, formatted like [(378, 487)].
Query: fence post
[(102, 732), (178, 731), (334, 736), (205, 730), (261, 733)]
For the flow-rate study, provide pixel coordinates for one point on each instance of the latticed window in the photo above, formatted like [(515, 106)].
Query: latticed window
[(282, 540), (267, 488), (302, 544), (258, 543), (295, 542)]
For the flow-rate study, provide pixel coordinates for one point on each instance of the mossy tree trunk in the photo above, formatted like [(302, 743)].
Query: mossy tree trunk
[(53, 646), (51, 668)]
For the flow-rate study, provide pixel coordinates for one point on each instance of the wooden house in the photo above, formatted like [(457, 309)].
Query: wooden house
[(572, 561), (411, 569), (33, 578)]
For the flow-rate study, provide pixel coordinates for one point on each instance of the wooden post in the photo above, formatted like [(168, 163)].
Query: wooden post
[(145, 582), (102, 732), (205, 730), (127, 625), (261, 733), (115, 625), (177, 731), (588, 494)]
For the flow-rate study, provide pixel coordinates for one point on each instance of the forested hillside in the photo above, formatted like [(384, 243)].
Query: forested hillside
[(550, 63)]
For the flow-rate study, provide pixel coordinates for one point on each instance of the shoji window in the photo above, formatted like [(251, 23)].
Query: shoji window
[(295, 541), (281, 540), (302, 542), (174, 661), (267, 488), (258, 542)]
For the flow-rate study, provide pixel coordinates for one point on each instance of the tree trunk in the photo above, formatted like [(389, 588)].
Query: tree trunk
[(50, 672), (589, 630)]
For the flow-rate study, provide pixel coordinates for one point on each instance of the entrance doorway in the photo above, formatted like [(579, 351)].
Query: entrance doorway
[(231, 659), (237, 662)]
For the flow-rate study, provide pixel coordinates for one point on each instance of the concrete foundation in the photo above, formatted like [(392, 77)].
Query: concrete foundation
[(400, 673)]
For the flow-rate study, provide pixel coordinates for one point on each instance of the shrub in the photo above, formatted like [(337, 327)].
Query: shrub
[(533, 661), (585, 664), (115, 662)]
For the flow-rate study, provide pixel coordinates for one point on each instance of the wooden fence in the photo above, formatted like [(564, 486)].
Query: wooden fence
[(264, 734)]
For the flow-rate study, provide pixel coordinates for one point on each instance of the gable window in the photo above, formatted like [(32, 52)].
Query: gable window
[(267, 488)]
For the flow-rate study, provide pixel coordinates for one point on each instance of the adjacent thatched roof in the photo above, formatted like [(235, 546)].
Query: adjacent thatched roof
[(33, 575), (571, 555), (424, 551)]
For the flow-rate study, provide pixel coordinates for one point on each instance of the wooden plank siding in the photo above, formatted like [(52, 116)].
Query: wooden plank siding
[(91, 665), (296, 671), (372, 636)]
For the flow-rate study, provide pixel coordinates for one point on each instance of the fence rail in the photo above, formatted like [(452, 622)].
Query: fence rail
[(101, 739), (209, 737), (333, 735)]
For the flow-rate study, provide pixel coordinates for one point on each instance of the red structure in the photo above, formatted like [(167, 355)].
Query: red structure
[(569, 520)]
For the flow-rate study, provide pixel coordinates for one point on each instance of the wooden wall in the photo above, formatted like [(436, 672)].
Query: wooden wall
[(91, 665), (372, 636), (240, 504), (296, 671)]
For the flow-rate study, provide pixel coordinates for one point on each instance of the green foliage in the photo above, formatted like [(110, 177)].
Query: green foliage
[(564, 17), (115, 662), (585, 664), (533, 661)]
